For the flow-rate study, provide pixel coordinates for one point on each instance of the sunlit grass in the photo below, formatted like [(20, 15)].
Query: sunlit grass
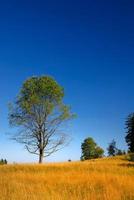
[(102, 179)]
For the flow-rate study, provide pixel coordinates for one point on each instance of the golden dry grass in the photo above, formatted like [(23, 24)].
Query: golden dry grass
[(102, 179)]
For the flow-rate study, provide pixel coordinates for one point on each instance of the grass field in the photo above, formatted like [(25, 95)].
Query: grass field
[(102, 179)]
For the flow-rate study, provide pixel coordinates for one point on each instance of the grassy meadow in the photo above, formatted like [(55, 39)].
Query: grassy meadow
[(101, 179)]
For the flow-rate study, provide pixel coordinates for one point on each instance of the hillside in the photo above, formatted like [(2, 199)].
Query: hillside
[(101, 179)]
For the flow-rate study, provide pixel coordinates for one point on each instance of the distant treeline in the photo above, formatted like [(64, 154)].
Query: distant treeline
[(3, 162), (90, 149)]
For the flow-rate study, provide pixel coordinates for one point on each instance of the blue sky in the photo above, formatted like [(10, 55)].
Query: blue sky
[(88, 47)]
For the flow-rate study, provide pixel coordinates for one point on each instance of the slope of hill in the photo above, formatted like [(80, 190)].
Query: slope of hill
[(101, 179)]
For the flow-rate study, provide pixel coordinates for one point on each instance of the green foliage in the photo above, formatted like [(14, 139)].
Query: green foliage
[(90, 149), (39, 111), (40, 90), (3, 162), (38, 93), (130, 132), (119, 152), (112, 150), (99, 152)]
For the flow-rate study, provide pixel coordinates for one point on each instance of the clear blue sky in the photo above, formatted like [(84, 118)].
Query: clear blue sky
[(88, 47)]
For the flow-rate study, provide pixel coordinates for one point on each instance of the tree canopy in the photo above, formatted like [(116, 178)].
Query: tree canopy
[(112, 149), (130, 132), (39, 112), (90, 149)]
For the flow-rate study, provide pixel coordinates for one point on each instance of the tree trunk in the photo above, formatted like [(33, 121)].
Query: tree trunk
[(41, 156)]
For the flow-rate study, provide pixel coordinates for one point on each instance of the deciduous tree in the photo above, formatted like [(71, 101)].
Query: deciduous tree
[(39, 112), (90, 149)]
